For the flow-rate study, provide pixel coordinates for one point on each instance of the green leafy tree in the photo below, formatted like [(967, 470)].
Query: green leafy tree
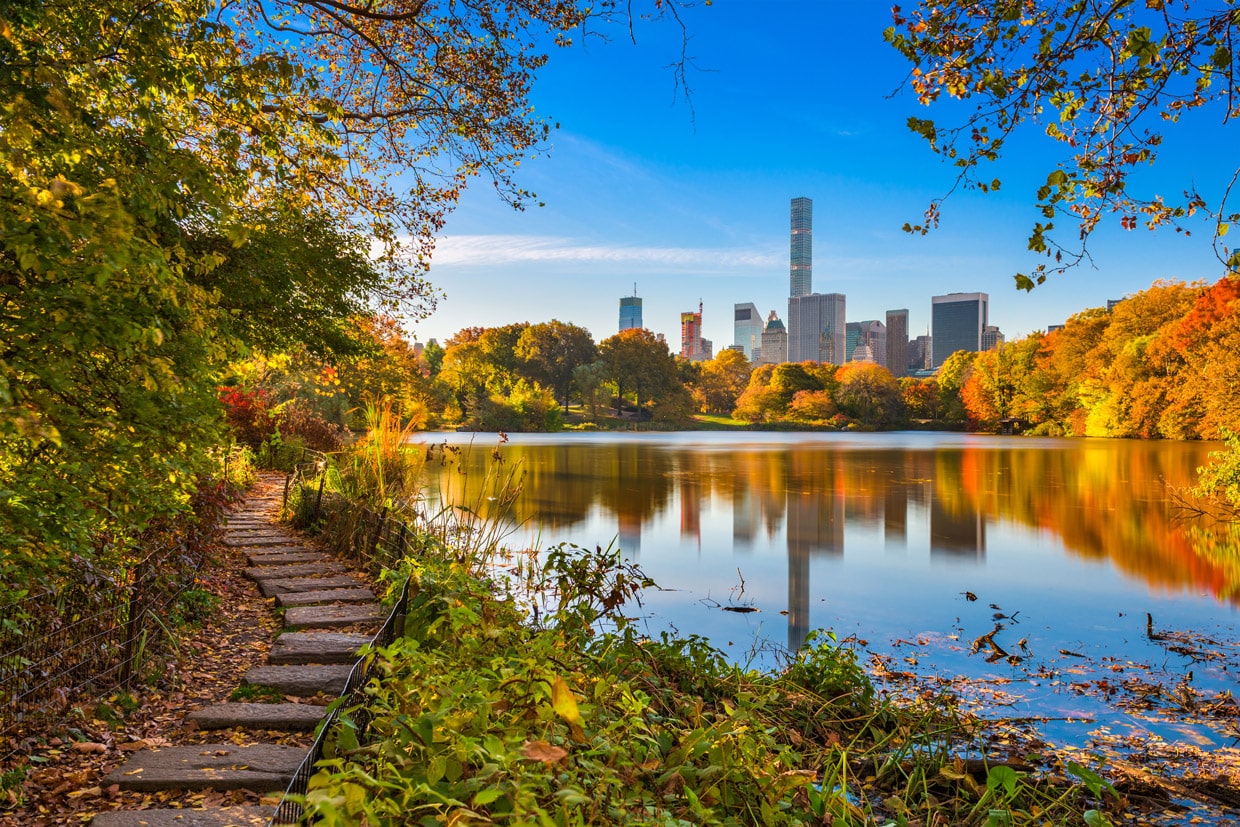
[(1104, 81), (591, 381), (433, 354), (639, 364), (550, 353), (299, 278)]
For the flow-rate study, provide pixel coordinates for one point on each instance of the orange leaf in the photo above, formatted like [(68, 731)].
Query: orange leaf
[(542, 751)]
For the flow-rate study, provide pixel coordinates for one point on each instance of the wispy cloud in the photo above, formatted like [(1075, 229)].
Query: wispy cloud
[(498, 250)]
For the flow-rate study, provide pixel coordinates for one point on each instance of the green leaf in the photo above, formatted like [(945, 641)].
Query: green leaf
[(1095, 818), (1002, 777)]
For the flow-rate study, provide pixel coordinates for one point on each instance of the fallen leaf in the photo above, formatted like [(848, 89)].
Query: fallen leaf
[(87, 746), (542, 751)]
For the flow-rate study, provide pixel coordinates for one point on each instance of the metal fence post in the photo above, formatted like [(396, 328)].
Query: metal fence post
[(133, 626)]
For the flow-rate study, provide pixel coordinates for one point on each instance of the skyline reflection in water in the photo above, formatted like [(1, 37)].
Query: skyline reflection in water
[(880, 534)]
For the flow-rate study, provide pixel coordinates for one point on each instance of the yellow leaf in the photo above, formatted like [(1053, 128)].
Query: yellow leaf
[(564, 702)]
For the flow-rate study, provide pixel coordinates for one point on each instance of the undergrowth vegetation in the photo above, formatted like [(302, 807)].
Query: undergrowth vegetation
[(523, 692)]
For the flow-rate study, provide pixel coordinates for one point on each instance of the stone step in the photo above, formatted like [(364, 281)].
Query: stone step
[(284, 558), (316, 647), (293, 547), (260, 768), (284, 717), (223, 817), (333, 617), (295, 585), (261, 573), (320, 596), (301, 681), (259, 534), (260, 540)]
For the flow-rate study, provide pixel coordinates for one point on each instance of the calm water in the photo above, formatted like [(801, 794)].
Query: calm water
[(887, 536)]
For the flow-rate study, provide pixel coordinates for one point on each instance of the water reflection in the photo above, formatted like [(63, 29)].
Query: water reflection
[(937, 497)]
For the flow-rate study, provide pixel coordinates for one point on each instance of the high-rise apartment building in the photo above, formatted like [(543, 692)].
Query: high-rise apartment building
[(692, 346), (631, 311), (957, 321), (748, 330), (897, 342), (992, 337), (774, 349), (816, 328), (801, 262)]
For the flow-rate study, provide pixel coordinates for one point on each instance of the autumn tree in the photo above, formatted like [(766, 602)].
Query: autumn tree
[(481, 361), (640, 364), (385, 366), (722, 381), (951, 378), (812, 407), (920, 397), (759, 402), (1104, 81), (1204, 345), (550, 352), (868, 393), (1126, 396), (158, 168)]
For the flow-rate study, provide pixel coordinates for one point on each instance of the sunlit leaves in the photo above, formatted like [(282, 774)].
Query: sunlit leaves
[(1099, 79)]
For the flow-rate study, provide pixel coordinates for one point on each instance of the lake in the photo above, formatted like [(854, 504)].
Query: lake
[(1034, 568)]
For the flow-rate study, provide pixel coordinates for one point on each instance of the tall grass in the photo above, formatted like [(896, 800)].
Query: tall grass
[(474, 510)]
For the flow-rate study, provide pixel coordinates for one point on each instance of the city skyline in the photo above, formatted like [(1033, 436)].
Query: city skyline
[(690, 200)]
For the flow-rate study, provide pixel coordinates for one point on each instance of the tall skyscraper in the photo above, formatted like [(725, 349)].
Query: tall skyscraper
[(816, 328), (801, 263), (957, 321), (774, 341), (748, 329), (631, 311), (897, 342)]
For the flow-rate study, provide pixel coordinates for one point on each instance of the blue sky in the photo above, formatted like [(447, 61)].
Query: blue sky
[(790, 98)]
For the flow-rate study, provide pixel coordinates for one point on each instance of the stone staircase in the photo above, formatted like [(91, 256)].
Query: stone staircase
[(329, 614)]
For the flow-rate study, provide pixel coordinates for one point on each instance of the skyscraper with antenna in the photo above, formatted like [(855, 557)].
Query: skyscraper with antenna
[(631, 311)]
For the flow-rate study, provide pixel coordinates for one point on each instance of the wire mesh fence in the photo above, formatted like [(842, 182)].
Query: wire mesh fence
[(290, 810), (88, 637)]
